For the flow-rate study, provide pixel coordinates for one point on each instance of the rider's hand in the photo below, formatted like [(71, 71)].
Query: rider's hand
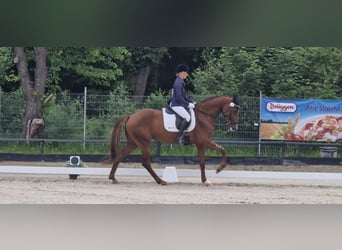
[(191, 105)]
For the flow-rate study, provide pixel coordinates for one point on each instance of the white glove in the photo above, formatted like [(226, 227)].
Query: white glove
[(191, 105)]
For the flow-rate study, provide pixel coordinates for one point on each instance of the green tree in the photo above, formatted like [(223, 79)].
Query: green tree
[(319, 72), (144, 61), (299, 72), (97, 68), (33, 82), (229, 71), (8, 75), (278, 72)]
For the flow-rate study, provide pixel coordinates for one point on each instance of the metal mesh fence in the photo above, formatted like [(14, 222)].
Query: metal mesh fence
[(11, 114), (88, 118), (75, 116)]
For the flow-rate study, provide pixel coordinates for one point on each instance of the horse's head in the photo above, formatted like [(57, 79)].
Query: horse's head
[(231, 113)]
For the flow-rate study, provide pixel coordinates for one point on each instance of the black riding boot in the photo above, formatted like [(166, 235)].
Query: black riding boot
[(181, 133)]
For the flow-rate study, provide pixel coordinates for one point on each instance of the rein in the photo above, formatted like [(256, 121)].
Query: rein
[(203, 112), (225, 115)]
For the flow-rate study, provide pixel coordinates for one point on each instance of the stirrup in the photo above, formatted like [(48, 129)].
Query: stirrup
[(180, 140)]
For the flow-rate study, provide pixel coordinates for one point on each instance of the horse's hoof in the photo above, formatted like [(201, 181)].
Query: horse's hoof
[(163, 183), (207, 183), (114, 181), (218, 170)]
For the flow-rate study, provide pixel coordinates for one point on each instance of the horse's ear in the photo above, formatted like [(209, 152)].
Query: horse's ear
[(235, 100)]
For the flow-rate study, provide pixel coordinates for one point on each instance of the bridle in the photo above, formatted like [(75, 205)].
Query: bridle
[(226, 115)]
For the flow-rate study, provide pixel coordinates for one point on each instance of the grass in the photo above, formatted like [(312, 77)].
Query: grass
[(52, 148), (239, 150)]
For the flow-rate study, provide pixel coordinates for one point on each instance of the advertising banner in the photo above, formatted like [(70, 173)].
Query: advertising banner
[(301, 120)]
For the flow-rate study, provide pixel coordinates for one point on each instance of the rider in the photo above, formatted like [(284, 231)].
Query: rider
[(180, 102)]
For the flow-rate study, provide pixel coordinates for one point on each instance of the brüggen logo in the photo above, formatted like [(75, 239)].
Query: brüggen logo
[(281, 107)]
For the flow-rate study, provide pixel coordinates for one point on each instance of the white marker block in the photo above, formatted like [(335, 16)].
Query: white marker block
[(170, 175)]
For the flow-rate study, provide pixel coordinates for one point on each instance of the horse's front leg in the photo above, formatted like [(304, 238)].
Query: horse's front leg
[(146, 162), (201, 159), (220, 149)]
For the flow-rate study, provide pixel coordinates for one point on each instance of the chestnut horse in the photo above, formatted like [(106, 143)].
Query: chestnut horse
[(147, 124)]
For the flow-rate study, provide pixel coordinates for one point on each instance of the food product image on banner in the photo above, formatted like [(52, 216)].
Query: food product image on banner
[(301, 120)]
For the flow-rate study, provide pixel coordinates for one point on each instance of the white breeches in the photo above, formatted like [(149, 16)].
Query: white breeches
[(182, 112)]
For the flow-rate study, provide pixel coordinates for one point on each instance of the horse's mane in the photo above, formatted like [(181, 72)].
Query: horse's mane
[(210, 98), (234, 99)]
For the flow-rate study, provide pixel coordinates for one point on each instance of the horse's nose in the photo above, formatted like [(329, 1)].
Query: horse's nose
[(233, 128)]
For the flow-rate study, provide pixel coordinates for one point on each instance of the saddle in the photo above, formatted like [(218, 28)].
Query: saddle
[(172, 120)]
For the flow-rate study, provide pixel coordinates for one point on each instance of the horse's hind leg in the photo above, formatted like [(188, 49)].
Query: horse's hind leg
[(112, 172), (122, 154), (146, 162)]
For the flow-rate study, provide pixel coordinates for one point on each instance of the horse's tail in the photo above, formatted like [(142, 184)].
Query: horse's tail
[(115, 140)]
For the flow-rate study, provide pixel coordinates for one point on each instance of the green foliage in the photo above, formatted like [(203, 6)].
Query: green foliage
[(119, 102), (98, 127), (7, 73), (156, 100), (20, 147), (91, 66), (299, 72), (319, 72), (141, 56), (64, 119), (287, 72), (117, 105), (55, 65)]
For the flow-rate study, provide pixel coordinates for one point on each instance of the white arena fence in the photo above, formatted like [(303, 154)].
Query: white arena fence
[(161, 172)]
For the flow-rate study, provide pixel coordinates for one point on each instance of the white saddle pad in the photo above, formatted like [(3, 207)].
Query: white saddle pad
[(169, 121)]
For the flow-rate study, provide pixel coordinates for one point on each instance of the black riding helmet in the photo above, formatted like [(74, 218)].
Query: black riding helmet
[(181, 68)]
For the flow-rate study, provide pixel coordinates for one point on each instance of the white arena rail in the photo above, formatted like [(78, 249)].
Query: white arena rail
[(180, 172)]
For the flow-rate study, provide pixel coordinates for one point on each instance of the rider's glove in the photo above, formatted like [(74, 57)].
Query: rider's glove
[(191, 105)]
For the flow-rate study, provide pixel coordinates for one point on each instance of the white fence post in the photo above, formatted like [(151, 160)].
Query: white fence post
[(260, 99), (84, 117), (0, 113)]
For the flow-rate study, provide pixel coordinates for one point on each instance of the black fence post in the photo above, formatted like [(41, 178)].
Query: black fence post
[(283, 149), (41, 147), (157, 156)]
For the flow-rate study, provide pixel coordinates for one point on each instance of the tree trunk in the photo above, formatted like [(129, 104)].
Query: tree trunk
[(33, 123), (139, 82)]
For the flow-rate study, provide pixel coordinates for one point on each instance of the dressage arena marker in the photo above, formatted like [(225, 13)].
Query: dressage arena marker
[(180, 172), (170, 175)]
